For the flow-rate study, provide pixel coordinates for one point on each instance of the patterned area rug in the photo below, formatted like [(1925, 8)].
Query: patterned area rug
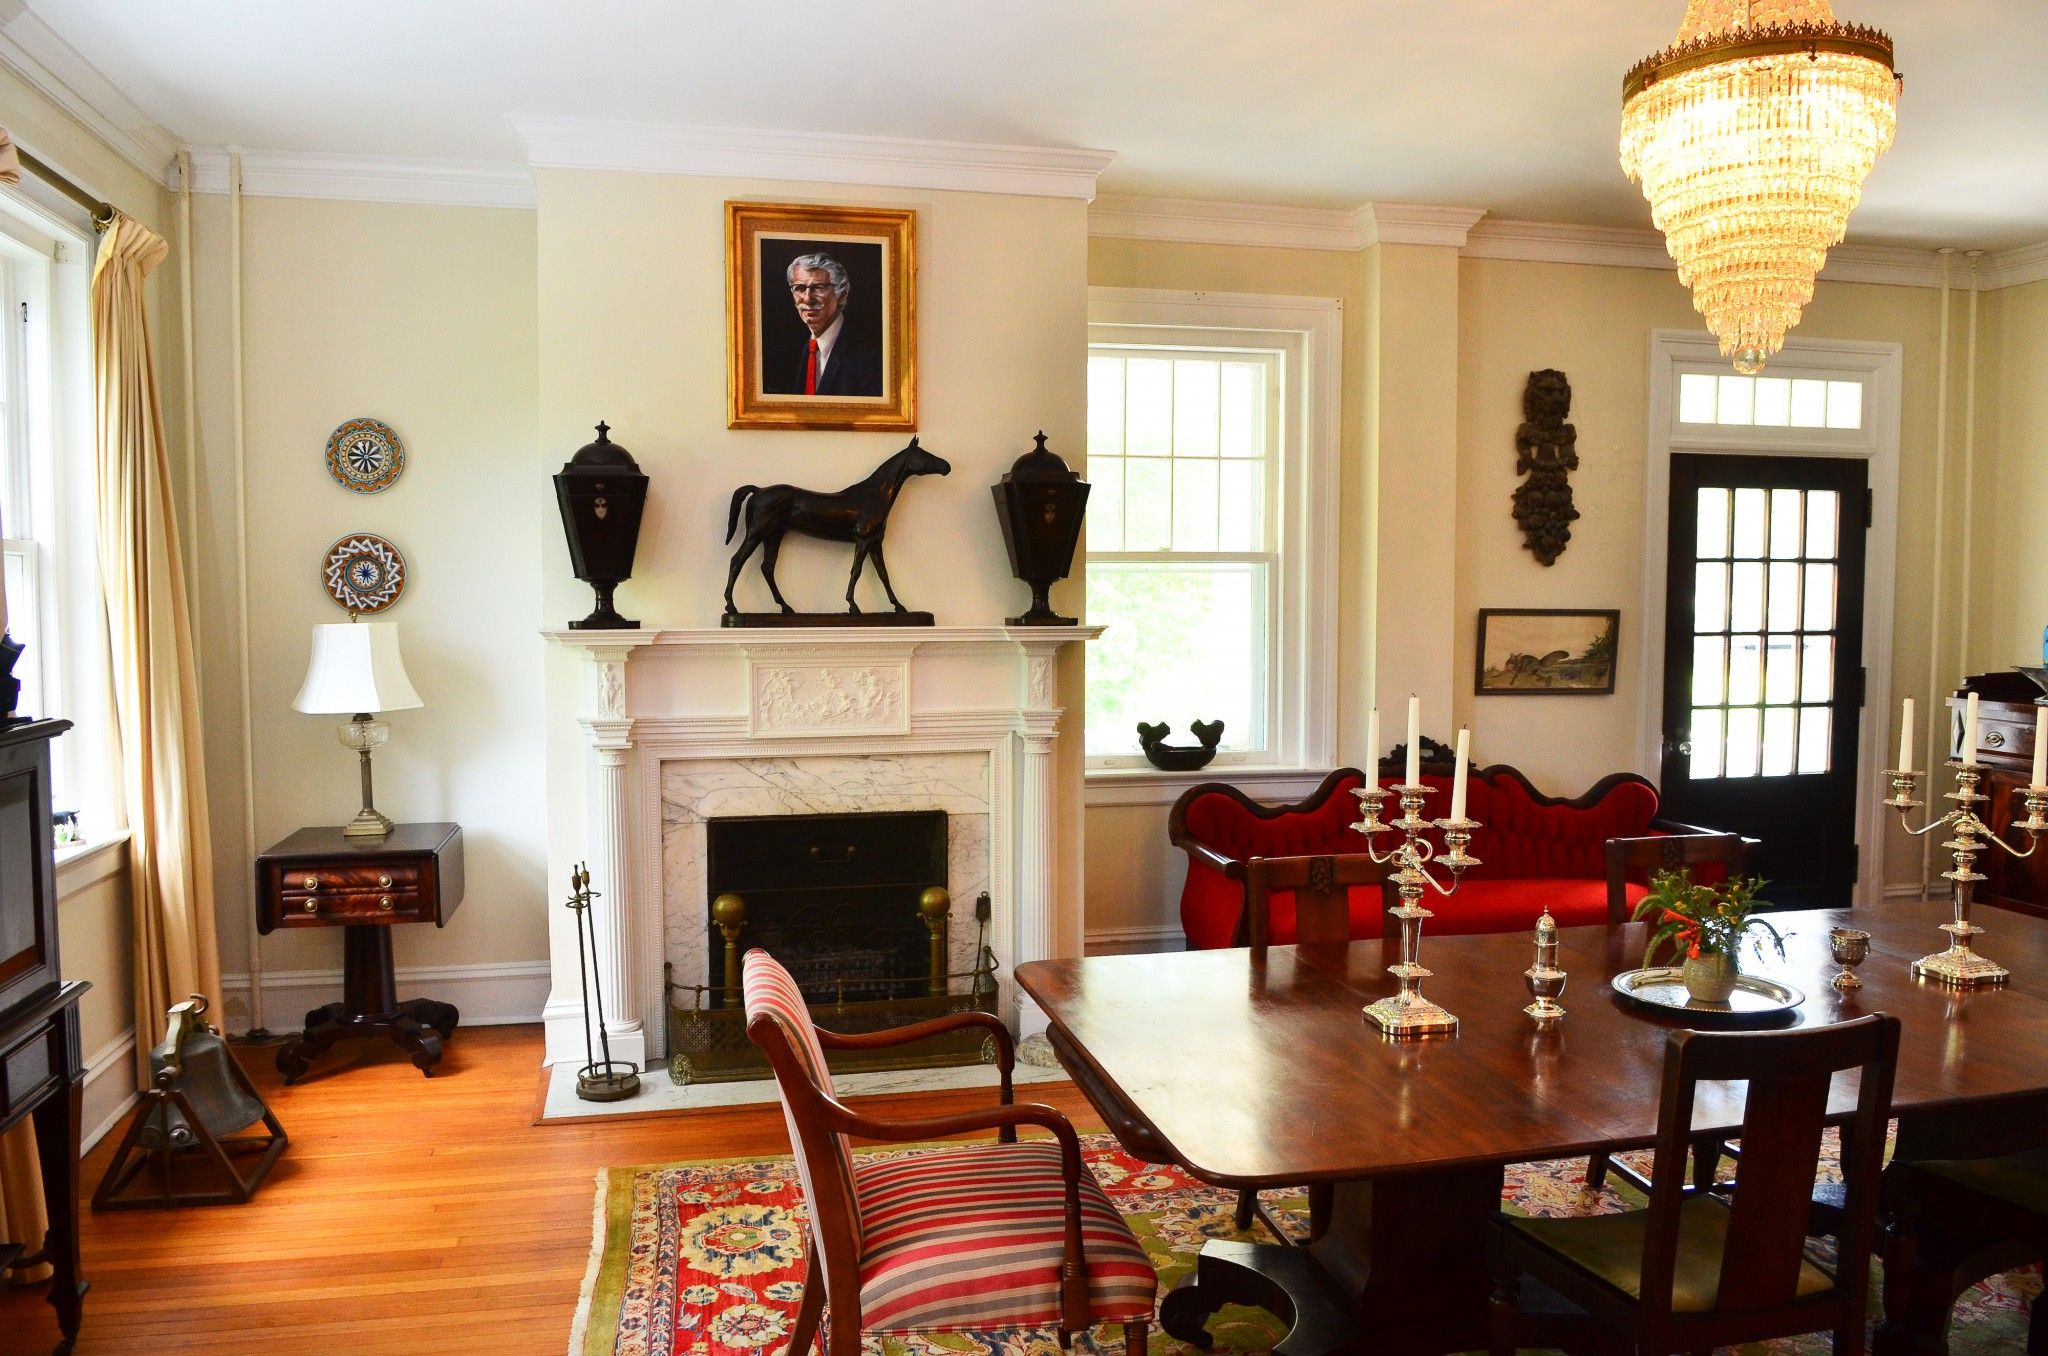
[(706, 1259)]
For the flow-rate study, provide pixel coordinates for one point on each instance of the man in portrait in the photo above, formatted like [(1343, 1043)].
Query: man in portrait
[(834, 358)]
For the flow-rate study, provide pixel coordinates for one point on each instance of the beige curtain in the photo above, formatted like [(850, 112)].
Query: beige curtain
[(150, 635)]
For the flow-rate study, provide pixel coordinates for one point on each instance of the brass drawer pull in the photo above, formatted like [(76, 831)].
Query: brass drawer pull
[(385, 903), (312, 906), (383, 882), (1995, 739), (311, 883)]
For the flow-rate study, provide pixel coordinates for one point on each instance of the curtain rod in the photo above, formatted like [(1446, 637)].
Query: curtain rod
[(102, 212)]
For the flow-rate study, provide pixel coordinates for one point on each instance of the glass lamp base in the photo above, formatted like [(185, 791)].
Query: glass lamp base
[(1406, 1015)]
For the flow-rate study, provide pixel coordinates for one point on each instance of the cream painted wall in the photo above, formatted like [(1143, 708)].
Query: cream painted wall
[(2011, 598), (94, 935), (632, 330), (423, 317)]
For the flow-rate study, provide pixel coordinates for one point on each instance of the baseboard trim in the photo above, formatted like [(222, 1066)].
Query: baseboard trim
[(499, 994), (108, 1099), (1133, 941)]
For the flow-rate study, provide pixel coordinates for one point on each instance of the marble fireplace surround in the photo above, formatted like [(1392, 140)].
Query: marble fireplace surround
[(683, 724)]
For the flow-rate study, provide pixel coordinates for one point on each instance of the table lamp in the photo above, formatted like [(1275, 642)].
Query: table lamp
[(356, 670)]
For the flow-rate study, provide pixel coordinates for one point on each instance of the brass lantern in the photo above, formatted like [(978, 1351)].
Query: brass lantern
[(600, 493), (1040, 503)]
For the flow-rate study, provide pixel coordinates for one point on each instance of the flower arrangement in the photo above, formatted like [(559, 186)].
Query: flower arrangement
[(1698, 921)]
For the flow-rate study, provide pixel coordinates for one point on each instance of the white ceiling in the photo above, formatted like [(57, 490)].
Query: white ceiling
[(1507, 105)]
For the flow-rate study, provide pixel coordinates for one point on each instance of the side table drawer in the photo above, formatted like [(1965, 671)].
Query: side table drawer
[(320, 894), (26, 1069)]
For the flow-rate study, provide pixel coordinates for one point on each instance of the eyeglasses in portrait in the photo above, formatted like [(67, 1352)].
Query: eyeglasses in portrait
[(821, 327)]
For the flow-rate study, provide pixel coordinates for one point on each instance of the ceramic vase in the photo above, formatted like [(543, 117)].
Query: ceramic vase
[(1710, 978)]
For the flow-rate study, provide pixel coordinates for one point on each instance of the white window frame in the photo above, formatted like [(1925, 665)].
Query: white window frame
[(1879, 367), (1301, 681), (49, 266)]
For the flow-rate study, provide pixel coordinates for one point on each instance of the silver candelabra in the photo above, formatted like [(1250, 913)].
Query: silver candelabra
[(1407, 1012), (1959, 965)]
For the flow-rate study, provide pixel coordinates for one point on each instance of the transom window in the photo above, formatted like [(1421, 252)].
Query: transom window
[(1764, 623), (1769, 402)]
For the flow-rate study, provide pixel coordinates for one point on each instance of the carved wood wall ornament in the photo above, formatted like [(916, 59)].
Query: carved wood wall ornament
[(1546, 452)]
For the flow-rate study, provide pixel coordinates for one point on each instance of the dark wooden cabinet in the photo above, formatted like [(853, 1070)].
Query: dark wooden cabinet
[(41, 1073), (323, 878), (2006, 703)]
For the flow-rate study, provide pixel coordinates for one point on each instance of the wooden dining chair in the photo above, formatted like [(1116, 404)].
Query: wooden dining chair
[(1697, 1270), (1009, 1234), (1953, 1222), (1320, 915), (1634, 858)]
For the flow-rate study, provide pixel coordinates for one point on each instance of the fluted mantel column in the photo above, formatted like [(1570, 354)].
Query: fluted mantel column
[(1036, 813), (609, 820)]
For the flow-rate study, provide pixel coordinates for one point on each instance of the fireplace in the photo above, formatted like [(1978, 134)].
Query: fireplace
[(834, 897)]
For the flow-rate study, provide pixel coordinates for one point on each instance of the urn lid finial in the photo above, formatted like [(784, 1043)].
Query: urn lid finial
[(1041, 463), (602, 454)]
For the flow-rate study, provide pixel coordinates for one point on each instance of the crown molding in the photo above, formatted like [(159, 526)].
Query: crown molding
[(57, 70), (1394, 223), (1190, 221), (2014, 267), (812, 157), (1628, 247), (366, 178)]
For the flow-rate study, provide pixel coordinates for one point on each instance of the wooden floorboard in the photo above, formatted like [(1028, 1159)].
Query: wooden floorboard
[(409, 1217)]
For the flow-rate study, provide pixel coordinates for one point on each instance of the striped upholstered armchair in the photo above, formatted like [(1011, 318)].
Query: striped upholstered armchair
[(1007, 1234)]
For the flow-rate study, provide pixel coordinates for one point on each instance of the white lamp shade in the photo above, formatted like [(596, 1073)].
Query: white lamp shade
[(355, 668)]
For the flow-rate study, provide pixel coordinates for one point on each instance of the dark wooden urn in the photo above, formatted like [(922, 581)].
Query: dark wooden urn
[(1040, 503), (601, 492)]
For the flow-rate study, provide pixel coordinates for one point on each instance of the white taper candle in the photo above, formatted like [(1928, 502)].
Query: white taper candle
[(1905, 763), (1458, 776), (1970, 730), (1414, 741), (1372, 745)]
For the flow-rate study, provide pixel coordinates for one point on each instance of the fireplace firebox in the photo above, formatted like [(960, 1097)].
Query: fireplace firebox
[(856, 907), (833, 897)]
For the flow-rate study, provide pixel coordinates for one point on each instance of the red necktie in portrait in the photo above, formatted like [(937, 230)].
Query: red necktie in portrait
[(811, 368)]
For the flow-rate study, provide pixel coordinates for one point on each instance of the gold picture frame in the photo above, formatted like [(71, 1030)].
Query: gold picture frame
[(843, 278)]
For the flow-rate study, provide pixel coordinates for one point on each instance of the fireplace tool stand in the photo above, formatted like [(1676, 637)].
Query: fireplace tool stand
[(607, 1079)]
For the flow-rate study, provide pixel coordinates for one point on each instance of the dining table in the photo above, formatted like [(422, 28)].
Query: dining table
[(1255, 1068)]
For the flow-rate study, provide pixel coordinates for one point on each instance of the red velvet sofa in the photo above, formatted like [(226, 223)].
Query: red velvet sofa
[(1534, 851)]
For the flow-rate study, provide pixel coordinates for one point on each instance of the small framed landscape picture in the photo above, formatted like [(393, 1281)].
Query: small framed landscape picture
[(1546, 652), (821, 319)]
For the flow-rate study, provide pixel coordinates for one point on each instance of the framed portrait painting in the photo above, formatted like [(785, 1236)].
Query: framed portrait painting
[(821, 316), (1538, 652)]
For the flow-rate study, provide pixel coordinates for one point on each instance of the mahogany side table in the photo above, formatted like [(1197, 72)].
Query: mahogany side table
[(366, 886)]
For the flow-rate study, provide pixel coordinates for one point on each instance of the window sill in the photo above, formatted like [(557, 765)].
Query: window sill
[(83, 865), (1150, 786)]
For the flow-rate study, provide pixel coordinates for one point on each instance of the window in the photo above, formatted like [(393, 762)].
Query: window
[(48, 543), (1210, 450), (1769, 402)]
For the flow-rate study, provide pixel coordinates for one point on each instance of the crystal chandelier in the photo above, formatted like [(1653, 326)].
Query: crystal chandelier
[(1751, 136)]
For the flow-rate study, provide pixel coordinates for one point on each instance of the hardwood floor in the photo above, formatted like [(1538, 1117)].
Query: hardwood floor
[(410, 1216)]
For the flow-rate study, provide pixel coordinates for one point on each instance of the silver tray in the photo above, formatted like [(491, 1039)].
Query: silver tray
[(1661, 988)]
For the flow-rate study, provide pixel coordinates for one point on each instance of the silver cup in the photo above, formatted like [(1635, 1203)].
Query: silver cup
[(1850, 948)]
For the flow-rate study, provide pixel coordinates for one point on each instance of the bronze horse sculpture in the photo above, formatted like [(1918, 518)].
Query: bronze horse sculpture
[(858, 514)]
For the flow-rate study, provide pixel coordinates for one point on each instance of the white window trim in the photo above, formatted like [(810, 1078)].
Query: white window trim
[(1309, 330), (1877, 443)]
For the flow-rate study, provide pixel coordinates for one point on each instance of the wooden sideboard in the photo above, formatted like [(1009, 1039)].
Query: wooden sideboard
[(41, 1074), (2006, 703)]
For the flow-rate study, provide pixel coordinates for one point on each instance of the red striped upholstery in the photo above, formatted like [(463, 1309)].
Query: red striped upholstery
[(971, 1238), (769, 989)]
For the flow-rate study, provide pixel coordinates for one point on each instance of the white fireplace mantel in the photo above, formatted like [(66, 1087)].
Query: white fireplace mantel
[(660, 695)]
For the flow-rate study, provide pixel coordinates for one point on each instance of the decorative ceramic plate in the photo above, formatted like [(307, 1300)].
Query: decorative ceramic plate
[(364, 573), (365, 455), (1662, 989)]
